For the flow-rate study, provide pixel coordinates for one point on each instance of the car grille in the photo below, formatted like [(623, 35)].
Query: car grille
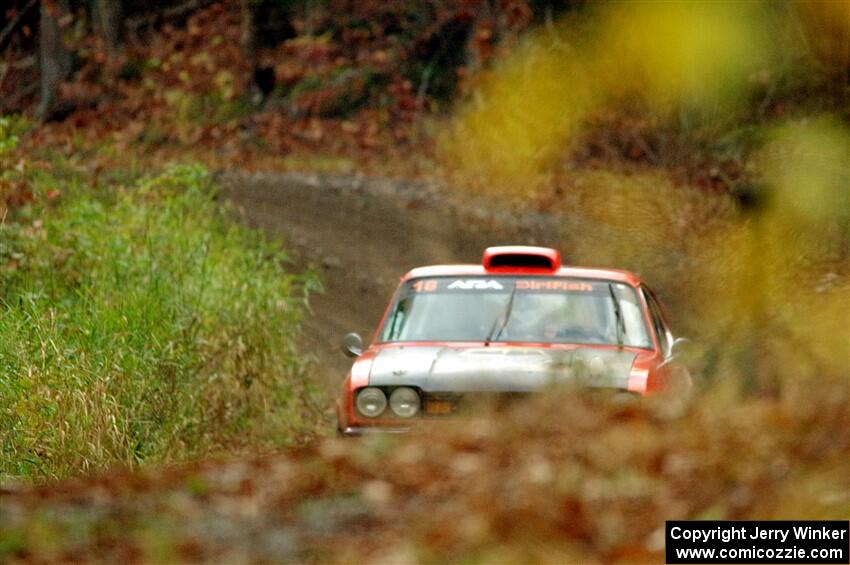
[(437, 405)]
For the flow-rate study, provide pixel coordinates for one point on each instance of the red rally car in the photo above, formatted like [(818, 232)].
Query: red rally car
[(515, 323)]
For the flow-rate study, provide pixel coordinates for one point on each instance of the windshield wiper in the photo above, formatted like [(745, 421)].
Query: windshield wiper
[(506, 315), (621, 327)]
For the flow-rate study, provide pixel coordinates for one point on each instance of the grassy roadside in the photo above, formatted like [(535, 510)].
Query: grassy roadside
[(138, 324)]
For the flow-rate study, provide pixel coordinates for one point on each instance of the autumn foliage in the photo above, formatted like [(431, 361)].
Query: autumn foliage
[(563, 478), (348, 80)]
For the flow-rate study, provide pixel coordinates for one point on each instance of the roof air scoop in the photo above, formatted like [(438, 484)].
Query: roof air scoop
[(521, 257)]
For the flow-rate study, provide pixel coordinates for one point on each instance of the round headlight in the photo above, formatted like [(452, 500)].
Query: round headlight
[(371, 402), (404, 402)]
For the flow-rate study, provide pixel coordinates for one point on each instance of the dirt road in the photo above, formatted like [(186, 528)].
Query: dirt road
[(362, 234)]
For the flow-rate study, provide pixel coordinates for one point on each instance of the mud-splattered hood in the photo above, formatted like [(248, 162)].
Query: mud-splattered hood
[(498, 369)]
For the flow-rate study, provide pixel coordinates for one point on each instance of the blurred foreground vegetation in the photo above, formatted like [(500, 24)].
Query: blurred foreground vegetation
[(139, 325), (559, 479), (705, 145)]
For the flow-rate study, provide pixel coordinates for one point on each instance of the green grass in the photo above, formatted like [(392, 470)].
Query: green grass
[(138, 324)]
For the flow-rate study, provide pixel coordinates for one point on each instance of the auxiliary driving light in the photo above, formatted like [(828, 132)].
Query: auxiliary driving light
[(371, 402), (404, 402)]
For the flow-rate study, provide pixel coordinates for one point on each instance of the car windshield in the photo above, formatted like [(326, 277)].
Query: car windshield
[(517, 309)]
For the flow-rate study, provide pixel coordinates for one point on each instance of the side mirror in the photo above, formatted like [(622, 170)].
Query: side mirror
[(352, 344)]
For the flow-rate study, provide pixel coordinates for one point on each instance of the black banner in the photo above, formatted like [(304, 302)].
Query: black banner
[(778, 541)]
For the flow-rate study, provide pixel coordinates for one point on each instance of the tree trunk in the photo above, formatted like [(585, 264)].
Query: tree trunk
[(54, 59), (109, 19), (262, 78), (249, 30)]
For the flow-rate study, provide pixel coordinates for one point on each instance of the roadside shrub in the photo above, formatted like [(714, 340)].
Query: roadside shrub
[(10, 129), (145, 327)]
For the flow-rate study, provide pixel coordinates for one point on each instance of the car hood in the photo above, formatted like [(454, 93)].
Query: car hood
[(498, 369)]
